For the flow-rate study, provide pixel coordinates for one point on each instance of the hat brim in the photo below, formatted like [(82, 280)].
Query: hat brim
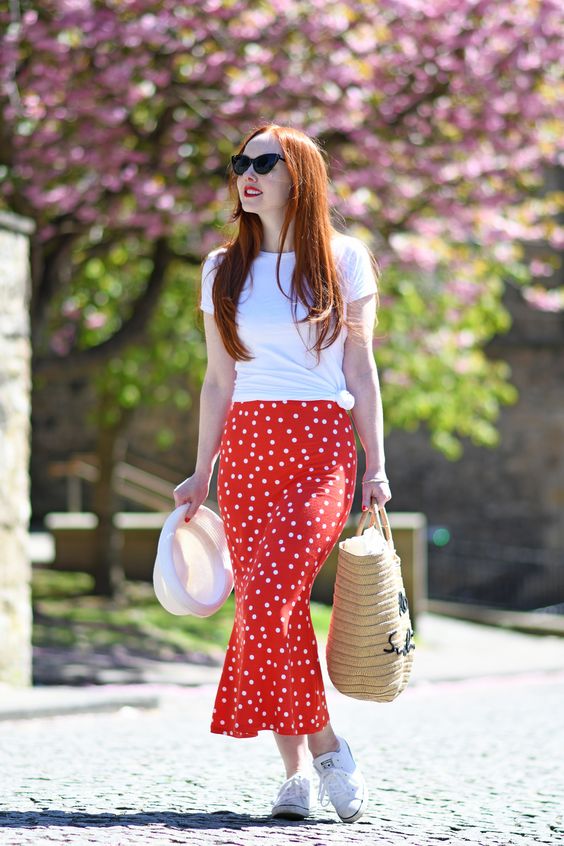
[(192, 572)]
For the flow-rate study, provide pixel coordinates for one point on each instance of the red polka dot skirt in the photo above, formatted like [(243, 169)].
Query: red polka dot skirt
[(286, 481)]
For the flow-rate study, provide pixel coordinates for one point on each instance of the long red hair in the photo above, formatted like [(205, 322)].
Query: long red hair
[(315, 282)]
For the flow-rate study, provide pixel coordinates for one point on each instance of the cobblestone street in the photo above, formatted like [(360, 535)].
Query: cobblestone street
[(456, 762)]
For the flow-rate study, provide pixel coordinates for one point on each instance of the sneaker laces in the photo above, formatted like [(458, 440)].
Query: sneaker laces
[(293, 789), (335, 785)]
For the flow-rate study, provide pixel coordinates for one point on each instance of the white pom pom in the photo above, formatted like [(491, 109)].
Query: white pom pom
[(345, 400)]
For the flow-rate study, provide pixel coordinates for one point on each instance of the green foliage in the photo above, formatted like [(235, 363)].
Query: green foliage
[(432, 365), (163, 370)]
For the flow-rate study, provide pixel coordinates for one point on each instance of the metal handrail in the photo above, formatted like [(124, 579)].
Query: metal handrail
[(132, 482)]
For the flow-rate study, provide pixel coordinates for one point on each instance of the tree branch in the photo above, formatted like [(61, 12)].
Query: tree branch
[(50, 268), (132, 330)]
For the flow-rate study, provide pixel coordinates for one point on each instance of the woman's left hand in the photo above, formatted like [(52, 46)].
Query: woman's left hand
[(375, 491)]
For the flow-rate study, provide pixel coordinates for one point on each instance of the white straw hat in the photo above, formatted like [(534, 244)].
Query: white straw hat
[(192, 572)]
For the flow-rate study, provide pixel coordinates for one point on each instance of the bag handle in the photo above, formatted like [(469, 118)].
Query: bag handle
[(377, 515)]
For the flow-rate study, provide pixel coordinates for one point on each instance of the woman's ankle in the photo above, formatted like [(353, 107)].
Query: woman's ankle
[(294, 752), (322, 742)]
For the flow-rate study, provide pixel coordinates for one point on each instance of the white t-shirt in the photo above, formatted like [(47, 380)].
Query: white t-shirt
[(282, 367)]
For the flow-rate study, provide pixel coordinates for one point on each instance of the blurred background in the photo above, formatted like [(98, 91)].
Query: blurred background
[(442, 126)]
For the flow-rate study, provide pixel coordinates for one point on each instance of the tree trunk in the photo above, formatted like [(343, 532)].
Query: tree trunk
[(109, 576)]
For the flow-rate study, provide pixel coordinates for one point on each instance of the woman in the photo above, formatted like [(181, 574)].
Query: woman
[(289, 308)]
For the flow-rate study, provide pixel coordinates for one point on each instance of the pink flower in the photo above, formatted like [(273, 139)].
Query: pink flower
[(541, 268), (95, 320), (544, 300)]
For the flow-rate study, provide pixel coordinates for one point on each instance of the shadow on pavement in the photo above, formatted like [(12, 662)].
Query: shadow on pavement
[(118, 664), (170, 819)]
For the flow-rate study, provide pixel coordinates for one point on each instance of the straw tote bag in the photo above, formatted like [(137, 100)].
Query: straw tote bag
[(370, 646)]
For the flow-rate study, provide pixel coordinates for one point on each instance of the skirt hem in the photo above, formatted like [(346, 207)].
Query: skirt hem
[(255, 732)]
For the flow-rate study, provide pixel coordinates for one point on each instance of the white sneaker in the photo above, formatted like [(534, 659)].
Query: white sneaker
[(294, 798), (341, 783)]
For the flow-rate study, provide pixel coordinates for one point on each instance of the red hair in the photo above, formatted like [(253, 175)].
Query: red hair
[(315, 281)]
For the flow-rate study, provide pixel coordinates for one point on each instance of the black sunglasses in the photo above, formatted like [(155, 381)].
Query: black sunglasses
[(262, 164)]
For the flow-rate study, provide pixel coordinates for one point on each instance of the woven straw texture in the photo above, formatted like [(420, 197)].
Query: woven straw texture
[(369, 646)]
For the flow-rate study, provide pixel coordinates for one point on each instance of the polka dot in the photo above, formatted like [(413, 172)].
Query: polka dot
[(270, 503)]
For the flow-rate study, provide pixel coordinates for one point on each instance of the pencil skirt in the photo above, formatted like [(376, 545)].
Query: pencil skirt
[(286, 479)]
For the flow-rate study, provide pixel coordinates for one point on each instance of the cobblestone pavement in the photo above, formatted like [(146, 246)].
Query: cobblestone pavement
[(460, 762)]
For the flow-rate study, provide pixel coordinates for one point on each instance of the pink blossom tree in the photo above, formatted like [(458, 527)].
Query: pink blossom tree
[(441, 120)]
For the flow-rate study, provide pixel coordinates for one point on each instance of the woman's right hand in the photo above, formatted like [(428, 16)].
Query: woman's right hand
[(193, 490)]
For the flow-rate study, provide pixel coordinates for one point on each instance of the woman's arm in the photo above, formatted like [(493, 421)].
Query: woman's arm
[(215, 402), (361, 377)]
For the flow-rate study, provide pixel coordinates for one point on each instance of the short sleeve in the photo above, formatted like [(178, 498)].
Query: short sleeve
[(355, 264), (208, 278)]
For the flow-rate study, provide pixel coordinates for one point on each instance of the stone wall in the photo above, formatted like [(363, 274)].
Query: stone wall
[(15, 354)]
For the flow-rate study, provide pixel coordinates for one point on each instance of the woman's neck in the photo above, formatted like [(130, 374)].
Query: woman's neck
[(271, 239)]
